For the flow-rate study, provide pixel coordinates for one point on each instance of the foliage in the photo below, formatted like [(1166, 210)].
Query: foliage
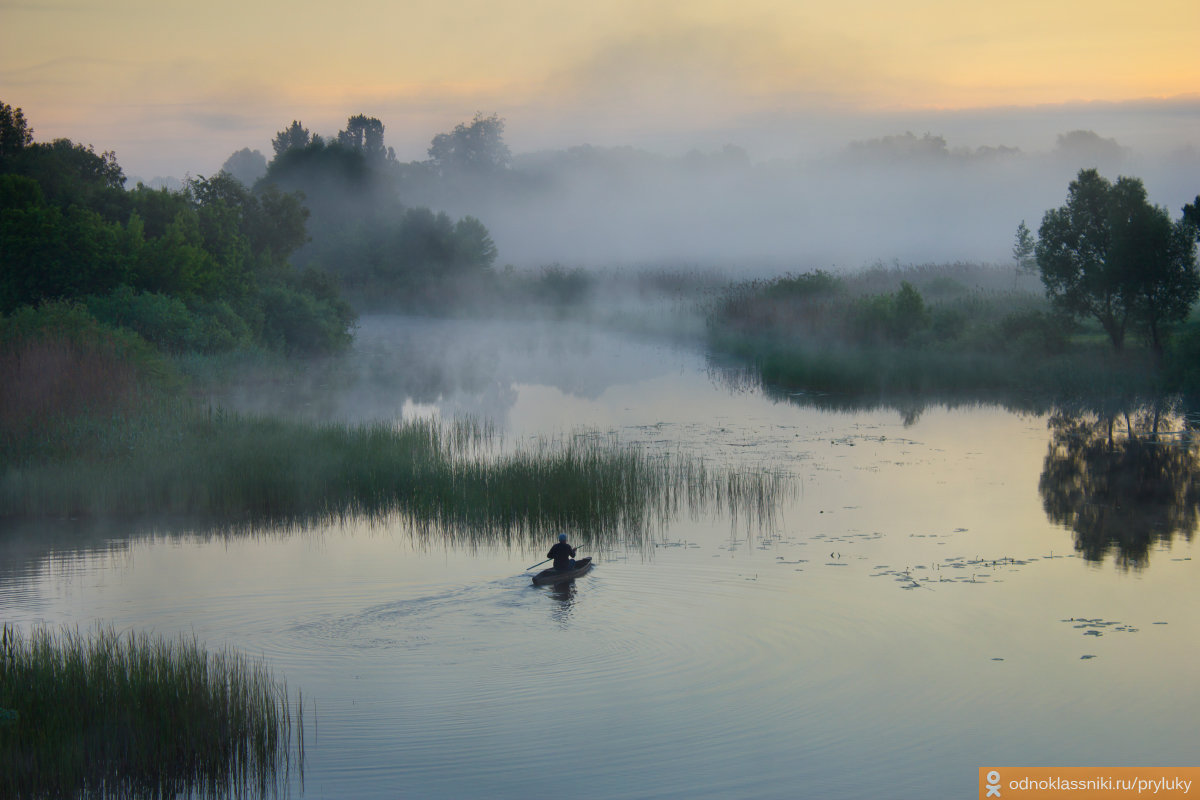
[(365, 134), (891, 317), (189, 270), (1181, 362), (297, 319), (15, 133), (171, 324), (1125, 483), (474, 149), (246, 165), (54, 253), (1024, 249), (293, 137), (1191, 213), (807, 285), (876, 332), (359, 228), (1033, 332), (1108, 254)]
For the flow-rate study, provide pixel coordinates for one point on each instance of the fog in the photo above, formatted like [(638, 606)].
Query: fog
[(899, 198), (765, 192)]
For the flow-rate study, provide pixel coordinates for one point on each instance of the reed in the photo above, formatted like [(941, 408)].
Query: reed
[(457, 478), (106, 715)]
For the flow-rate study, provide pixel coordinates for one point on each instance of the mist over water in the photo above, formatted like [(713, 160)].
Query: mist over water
[(899, 198)]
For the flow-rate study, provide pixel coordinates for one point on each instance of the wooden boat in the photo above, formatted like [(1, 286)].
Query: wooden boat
[(551, 576)]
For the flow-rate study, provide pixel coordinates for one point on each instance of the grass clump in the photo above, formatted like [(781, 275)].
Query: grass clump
[(138, 716)]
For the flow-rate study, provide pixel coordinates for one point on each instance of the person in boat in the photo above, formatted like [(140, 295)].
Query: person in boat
[(562, 553)]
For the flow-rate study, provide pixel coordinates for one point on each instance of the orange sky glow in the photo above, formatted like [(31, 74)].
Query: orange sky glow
[(155, 80)]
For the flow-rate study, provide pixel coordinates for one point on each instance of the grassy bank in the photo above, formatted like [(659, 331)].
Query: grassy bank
[(92, 425), (138, 716), (956, 331)]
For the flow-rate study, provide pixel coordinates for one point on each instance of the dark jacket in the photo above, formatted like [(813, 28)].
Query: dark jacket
[(562, 553)]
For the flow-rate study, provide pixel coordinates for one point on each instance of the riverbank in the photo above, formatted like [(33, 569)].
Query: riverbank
[(952, 330)]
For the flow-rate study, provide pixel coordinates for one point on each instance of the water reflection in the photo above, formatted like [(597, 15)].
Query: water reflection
[(455, 368), (1122, 481), (564, 597), (734, 376)]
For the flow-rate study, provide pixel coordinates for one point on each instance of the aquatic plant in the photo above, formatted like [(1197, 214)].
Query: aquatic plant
[(457, 478), (111, 715)]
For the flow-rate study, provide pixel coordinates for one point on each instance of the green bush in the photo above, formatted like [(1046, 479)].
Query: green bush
[(297, 322), (1181, 361), (810, 284), (895, 318), (1033, 332), (170, 324), (948, 324)]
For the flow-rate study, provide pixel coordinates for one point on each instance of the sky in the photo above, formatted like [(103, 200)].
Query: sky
[(175, 88)]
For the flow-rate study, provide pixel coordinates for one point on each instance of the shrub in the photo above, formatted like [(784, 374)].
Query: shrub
[(297, 322), (810, 284), (1033, 332)]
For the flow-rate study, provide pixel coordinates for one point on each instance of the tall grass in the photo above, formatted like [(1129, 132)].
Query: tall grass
[(88, 428), (106, 715), (62, 373), (456, 478)]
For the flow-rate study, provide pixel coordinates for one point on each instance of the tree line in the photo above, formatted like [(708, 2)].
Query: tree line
[(260, 254), (360, 228), (203, 269)]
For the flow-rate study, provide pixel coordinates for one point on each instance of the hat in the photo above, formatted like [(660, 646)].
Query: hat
[(562, 537)]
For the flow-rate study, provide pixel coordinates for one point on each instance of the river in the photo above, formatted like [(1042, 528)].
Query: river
[(933, 599)]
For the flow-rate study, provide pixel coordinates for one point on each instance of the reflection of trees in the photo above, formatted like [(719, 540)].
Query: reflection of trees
[(1121, 481)]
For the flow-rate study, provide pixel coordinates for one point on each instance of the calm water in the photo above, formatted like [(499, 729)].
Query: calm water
[(913, 615)]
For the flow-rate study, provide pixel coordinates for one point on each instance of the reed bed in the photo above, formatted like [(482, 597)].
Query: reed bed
[(455, 478), (107, 715)]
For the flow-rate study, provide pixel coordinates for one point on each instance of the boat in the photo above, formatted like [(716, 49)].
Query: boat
[(551, 576)]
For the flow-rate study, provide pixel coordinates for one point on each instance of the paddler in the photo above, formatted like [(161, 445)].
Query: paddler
[(562, 553)]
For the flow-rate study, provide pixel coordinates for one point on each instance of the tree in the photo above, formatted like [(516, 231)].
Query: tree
[(1163, 255), (1024, 249), (1191, 214), (1110, 255), (72, 174), (365, 134), (474, 250), (246, 165), (50, 253), (477, 148), (15, 133), (293, 137), (1119, 487), (1088, 147)]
